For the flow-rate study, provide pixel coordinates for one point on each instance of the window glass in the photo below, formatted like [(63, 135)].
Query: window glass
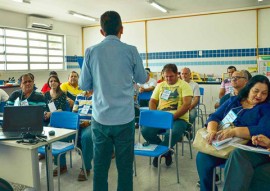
[(16, 33), (28, 50), (38, 51)]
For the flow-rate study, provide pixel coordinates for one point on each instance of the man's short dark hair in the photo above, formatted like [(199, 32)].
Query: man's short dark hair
[(170, 67), (111, 23), (231, 67)]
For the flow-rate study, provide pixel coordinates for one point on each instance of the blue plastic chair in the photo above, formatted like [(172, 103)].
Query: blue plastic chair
[(201, 101), (67, 120), (161, 120), (214, 175), (80, 62), (144, 96), (2, 105)]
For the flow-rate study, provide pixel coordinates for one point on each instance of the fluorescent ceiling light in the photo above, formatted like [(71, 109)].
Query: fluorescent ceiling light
[(82, 16), (22, 1), (260, 0), (157, 6)]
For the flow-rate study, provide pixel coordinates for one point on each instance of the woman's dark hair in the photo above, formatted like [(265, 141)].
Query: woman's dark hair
[(59, 92), (243, 94)]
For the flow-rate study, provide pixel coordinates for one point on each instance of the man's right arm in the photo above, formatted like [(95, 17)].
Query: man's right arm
[(153, 103), (86, 80), (140, 75)]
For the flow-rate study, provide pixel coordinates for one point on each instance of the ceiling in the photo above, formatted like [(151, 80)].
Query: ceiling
[(129, 10)]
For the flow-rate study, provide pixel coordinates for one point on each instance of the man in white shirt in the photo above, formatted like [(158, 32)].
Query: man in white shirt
[(148, 86), (186, 76)]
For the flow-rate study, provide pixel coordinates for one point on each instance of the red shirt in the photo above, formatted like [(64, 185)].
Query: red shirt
[(45, 88)]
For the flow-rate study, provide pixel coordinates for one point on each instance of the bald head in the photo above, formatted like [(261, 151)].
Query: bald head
[(186, 74), (239, 80)]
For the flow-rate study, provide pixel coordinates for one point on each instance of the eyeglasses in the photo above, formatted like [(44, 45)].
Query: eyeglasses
[(28, 81), (235, 78)]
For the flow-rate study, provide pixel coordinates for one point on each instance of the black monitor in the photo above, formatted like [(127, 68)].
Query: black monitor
[(23, 119)]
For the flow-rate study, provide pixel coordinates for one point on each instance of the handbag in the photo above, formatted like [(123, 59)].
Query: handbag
[(202, 145)]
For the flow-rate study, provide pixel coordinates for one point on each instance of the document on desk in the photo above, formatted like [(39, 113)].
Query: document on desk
[(251, 149), (58, 145), (140, 147)]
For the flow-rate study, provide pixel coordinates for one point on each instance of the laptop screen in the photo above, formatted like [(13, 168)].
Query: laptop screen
[(23, 119)]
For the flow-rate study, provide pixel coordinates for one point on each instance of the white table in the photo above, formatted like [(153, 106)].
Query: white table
[(19, 163)]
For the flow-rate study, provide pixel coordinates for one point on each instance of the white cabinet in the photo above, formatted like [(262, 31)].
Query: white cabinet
[(210, 97)]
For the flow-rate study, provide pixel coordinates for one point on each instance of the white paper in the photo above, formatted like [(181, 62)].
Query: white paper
[(52, 107), (252, 149), (140, 147), (58, 145), (227, 144)]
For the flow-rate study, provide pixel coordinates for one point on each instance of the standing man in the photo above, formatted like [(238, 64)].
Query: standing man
[(172, 95), (109, 70), (186, 76), (71, 88)]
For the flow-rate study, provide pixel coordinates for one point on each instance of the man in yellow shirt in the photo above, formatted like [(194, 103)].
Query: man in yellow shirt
[(172, 95), (71, 87)]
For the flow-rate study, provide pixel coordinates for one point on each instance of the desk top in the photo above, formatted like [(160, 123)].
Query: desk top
[(59, 134)]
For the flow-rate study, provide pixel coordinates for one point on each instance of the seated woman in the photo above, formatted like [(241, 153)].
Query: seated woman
[(246, 170), (252, 118), (55, 98)]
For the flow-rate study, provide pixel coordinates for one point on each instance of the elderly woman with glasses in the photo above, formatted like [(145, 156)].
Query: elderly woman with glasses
[(252, 112)]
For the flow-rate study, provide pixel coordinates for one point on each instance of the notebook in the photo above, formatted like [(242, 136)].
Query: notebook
[(20, 120)]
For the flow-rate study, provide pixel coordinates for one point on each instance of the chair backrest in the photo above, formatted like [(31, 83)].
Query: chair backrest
[(80, 62), (144, 96), (156, 119), (201, 94), (201, 91), (2, 105), (65, 119), (67, 106)]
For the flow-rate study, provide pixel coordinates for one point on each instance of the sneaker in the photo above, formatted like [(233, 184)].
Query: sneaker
[(198, 183), (63, 169), (155, 162), (168, 159), (81, 176), (136, 126)]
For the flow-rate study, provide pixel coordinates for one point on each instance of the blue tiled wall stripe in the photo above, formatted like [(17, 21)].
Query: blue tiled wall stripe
[(242, 62), (72, 58), (206, 53), (195, 54)]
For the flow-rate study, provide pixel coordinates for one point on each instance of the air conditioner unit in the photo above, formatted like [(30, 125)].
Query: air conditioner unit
[(39, 23)]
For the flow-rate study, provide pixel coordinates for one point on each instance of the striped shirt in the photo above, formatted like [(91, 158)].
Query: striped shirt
[(80, 102)]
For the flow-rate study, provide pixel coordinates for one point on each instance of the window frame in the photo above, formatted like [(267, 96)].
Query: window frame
[(59, 62)]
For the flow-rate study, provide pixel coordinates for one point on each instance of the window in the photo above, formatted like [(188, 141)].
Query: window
[(28, 50)]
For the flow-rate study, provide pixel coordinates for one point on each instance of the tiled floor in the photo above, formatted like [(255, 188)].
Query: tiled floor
[(146, 179)]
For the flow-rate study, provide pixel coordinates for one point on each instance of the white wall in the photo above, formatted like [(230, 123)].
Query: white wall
[(264, 28), (235, 30), (72, 32), (219, 31), (133, 33)]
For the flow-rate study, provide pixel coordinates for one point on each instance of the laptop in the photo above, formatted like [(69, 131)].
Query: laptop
[(21, 120)]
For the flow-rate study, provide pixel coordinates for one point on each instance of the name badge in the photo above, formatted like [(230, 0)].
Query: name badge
[(166, 94), (85, 109), (229, 118), (17, 102), (52, 107), (24, 103)]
